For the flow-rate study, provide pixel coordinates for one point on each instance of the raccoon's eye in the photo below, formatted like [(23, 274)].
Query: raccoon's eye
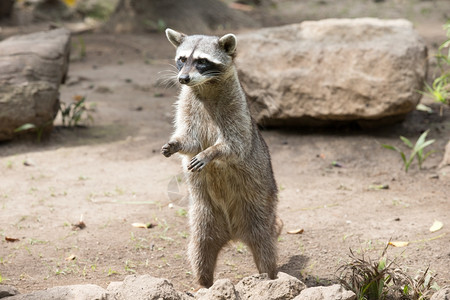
[(202, 61), (180, 62)]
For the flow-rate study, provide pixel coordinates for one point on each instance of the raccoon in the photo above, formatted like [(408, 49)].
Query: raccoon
[(232, 189)]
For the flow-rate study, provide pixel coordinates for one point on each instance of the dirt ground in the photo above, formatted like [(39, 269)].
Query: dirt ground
[(111, 175)]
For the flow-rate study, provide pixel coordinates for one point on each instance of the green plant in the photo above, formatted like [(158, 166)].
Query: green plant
[(111, 272), (383, 279), (73, 112), (80, 47), (240, 247), (101, 10), (129, 267), (417, 150), (420, 287), (439, 90), (444, 58), (32, 127), (182, 212)]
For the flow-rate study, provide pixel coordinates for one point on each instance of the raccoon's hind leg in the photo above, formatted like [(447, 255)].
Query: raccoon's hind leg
[(209, 234), (263, 248), (261, 238)]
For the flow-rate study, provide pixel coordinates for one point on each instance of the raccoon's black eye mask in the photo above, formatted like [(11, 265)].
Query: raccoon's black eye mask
[(203, 65), (208, 68)]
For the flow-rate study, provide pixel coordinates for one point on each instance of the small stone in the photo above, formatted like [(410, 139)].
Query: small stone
[(145, 287), (442, 294), (103, 90), (114, 286), (222, 289), (261, 287), (333, 292), (79, 292), (28, 163)]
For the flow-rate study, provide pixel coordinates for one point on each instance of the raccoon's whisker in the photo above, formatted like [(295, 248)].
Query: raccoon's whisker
[(168, 77), (211, 73), (168, 80), (170, 84), (168, 73), (173, 66)]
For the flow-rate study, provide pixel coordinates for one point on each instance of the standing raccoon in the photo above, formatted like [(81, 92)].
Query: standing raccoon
[(232, 190)]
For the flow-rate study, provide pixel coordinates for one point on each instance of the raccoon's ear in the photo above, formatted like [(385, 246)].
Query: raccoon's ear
[(228, 42), (175, 37)]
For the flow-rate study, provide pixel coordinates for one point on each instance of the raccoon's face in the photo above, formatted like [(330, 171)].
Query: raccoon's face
[(199, 58)]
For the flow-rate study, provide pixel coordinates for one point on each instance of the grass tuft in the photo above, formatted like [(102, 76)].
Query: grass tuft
[(382, 279)]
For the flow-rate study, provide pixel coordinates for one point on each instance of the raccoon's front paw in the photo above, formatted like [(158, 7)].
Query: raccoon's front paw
[(170, 148), (197, 163)]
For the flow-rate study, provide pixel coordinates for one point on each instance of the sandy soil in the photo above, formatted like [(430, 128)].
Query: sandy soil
[(111, 174)]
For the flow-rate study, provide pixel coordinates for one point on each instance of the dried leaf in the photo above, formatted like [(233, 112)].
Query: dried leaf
[(78, 226), (239, 6), (78, 98), (70, 3), (296, 231), (11, 240), (72, 257), (143, 225), (399, 244), (437, 225), (423, 107), (379, 187)]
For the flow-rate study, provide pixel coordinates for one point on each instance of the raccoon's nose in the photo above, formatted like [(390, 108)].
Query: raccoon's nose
[(184, 78)]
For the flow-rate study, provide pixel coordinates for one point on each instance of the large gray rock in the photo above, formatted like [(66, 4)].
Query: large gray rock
[(222, 289), (7, 291), (333, 292), (69, 292), (256, 287), (335, 70), (144, 287), (442, 294), (32, 68), (446, 160)]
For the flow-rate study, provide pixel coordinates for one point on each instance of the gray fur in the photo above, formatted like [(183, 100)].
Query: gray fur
[(232, 190)]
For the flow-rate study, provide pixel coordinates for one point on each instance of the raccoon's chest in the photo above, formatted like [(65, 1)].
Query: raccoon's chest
[(204, 127)]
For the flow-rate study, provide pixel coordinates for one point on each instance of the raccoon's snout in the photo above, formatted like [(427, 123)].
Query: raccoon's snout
[(184, 78)]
